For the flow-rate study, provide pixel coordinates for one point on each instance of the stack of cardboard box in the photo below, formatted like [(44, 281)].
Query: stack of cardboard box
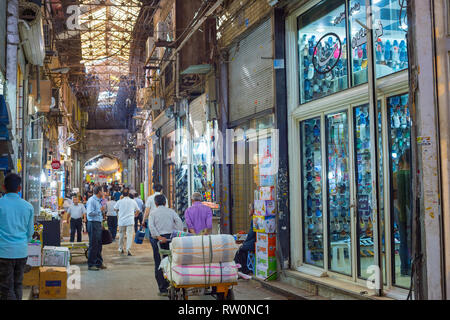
[(264, 223), (49, 268)]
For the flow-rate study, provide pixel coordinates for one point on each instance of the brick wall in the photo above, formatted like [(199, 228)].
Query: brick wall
[(242, 15)]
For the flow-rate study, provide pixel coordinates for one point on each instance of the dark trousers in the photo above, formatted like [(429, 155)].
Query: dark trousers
[(112, 225), (95, 244), (137, 219), (241, 258), (75, 226), (11, 277), (163, 284)]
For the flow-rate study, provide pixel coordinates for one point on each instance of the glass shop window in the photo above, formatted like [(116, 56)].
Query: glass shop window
[(322, 50), (390, 29)]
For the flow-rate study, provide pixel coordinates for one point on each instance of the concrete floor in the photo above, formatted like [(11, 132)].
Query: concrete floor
[(132, 278)]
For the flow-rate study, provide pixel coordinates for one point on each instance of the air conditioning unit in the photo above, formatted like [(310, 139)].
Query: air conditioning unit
[(150, 44), (162, 31), (46, 95), (31, 32), (156, 104)]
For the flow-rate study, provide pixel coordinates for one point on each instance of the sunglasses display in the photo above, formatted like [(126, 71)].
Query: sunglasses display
[(338, 192), (312, 191)]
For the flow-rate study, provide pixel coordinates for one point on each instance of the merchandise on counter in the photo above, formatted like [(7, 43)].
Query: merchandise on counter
[(266, 239), (265, 207), (264, 252), (265, 224), (198, 249), (267, 193), (55, 256), (202, 273), (34, 254), (31, 278), (52, 283)]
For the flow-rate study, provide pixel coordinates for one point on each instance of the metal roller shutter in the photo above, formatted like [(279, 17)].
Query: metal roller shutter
[(197, 111), (250, 75), (168, 127)]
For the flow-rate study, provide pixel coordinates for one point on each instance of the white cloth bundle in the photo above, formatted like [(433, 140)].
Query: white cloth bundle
[(202, 273), (203, 249)]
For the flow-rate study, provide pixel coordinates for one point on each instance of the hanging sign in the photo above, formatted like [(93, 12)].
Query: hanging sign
[(56, 165)]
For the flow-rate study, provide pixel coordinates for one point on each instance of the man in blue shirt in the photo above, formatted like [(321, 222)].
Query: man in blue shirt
[(117, 194), (94, 215), (16, 230)]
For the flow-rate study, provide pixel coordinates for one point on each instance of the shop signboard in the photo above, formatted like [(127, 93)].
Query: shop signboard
[(56, 165), (34, 165)]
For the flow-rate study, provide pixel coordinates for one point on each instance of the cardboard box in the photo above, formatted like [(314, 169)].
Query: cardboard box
[(52, 283), (266, 180), (265, 207), (265, 224), (34, 254), (66, 229), (55, 256), (267, 193), (265, 273), (31, 278), (264, 252), (269, 263), (266, 239)]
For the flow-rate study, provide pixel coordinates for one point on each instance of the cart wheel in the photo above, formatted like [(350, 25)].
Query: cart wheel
[(230, 295), (172, 294)]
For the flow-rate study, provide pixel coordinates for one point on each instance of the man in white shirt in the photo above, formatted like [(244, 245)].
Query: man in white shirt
[(128, 210), (111, 217), (139, 218), (162, 222), (150, 203), (76, 213)]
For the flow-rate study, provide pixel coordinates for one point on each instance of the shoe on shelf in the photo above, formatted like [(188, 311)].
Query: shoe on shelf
[(129, 253), (103, 266), (94, 268)]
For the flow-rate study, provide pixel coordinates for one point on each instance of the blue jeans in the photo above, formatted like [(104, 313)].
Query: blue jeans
[(95, 244)]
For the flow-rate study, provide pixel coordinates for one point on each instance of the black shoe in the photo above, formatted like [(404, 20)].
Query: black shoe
[(94, 268), (129, 253)]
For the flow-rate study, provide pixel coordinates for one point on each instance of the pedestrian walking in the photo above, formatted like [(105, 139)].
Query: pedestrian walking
[(198, 216), (76, 215), (140, 217), (150, 203), (117, 193), (162, 222), (127, 210), (16, 230), (95, 218), (111, 217)]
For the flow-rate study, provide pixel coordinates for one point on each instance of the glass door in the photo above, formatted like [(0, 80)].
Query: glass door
[(401, 191), (311, 151), (338, 185)]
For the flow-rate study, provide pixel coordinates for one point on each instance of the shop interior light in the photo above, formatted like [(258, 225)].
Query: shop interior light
[(43, 177)]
